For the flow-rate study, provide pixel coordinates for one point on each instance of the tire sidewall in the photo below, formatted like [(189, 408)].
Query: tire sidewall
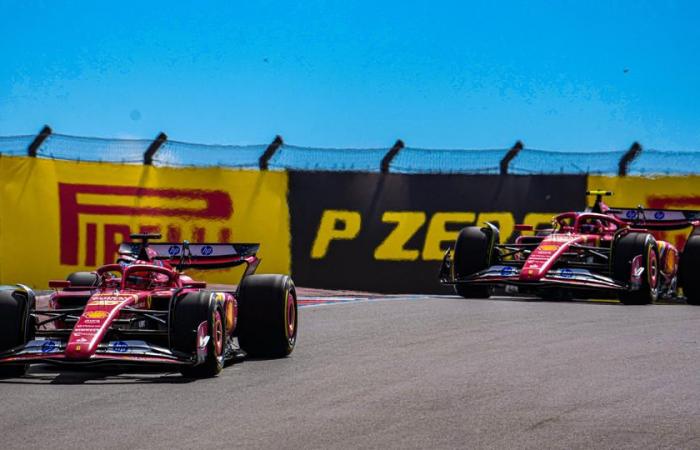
[(627, 247)]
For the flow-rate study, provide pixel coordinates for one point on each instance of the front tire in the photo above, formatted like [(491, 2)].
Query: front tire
[(268, 312), (689, 275), (626, 249), (472, 253), (15, 326), (189, 312)]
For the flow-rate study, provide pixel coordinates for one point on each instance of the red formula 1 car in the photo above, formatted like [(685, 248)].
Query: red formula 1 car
[(145, 310), (603, 252)]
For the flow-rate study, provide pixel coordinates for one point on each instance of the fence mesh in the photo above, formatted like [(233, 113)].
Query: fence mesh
[(174, 153), (60, 146), (663, 162), (408, 160), (338, 159), (423, 160), (15, 145), (532, 161)]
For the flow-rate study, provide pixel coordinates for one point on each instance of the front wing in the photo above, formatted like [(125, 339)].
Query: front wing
[(506, 275), (127, 352)]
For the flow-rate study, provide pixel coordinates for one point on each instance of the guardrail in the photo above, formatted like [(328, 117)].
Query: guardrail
[(398, 159)]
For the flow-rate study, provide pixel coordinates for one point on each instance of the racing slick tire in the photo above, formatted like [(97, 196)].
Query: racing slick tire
[(268, 313), (689, 270), (15, 324), (189, 312), (472, 253), (83, 279), (624, 250)]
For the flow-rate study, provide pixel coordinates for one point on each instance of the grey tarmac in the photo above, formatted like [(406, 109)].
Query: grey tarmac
[(413, 372)]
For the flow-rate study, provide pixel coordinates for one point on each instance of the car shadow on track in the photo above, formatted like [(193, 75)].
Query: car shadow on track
[(46, 375), (590, 301)]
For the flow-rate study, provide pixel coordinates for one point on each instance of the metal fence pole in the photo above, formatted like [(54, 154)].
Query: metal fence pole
[(153, 148), (38, 140), (270, 152), (512, 153), (390, 155), (627, 158)]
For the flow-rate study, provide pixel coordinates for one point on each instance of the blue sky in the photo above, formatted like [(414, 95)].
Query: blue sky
[(560, 75)]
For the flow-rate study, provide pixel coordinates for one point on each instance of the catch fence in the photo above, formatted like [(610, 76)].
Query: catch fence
[(399, 158)]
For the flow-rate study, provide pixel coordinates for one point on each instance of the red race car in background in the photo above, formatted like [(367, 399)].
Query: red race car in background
[(145, 310), (603, 252)]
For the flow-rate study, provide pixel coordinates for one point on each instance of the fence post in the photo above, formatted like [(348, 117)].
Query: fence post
[(390, 155), (270, 152), (512, 153), (153, 148), (38, 140), (628, 157)]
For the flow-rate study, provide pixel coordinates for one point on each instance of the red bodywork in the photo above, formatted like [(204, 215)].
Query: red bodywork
[(575, 252), (124, 316)]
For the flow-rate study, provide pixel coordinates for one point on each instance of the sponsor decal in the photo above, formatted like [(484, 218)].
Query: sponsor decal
[(48, 347), (507, 271), (202, 341), (658, 215), (104, 302), (631, 214), (566, 273), (206, 250), (636, 271), (559, 238), (549, 247), (174, 250), (91, 208), (391, 231), (96, 314), (92, 200), (109, 300), (120, 347)]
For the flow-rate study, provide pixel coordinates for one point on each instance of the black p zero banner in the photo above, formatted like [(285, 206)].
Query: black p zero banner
[(388, 233)]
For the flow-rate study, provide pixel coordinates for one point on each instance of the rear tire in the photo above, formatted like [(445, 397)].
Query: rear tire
[(472, 253), (189, 312), (268, 313), (625, 249), (689, 270), (15, 326)]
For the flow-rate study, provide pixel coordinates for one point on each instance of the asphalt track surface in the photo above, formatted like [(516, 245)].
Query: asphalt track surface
[(400, 372)]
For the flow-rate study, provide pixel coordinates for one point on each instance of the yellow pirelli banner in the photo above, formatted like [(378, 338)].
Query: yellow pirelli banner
[(658, 192), (64, 216)]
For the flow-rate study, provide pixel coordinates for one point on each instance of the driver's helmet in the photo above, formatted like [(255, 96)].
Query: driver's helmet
[(592, 226), (152, 254), (126, 260), (150, 258), (140, 280)]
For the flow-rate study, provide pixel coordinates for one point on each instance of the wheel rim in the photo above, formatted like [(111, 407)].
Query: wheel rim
[(653, 268), (218, 334), (291, 316)]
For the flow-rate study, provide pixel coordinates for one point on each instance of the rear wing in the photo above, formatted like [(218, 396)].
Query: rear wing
[(196, 256), (657, 219)]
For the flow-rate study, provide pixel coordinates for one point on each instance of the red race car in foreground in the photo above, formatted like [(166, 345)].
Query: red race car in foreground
[(603, 252), (145, 310)]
